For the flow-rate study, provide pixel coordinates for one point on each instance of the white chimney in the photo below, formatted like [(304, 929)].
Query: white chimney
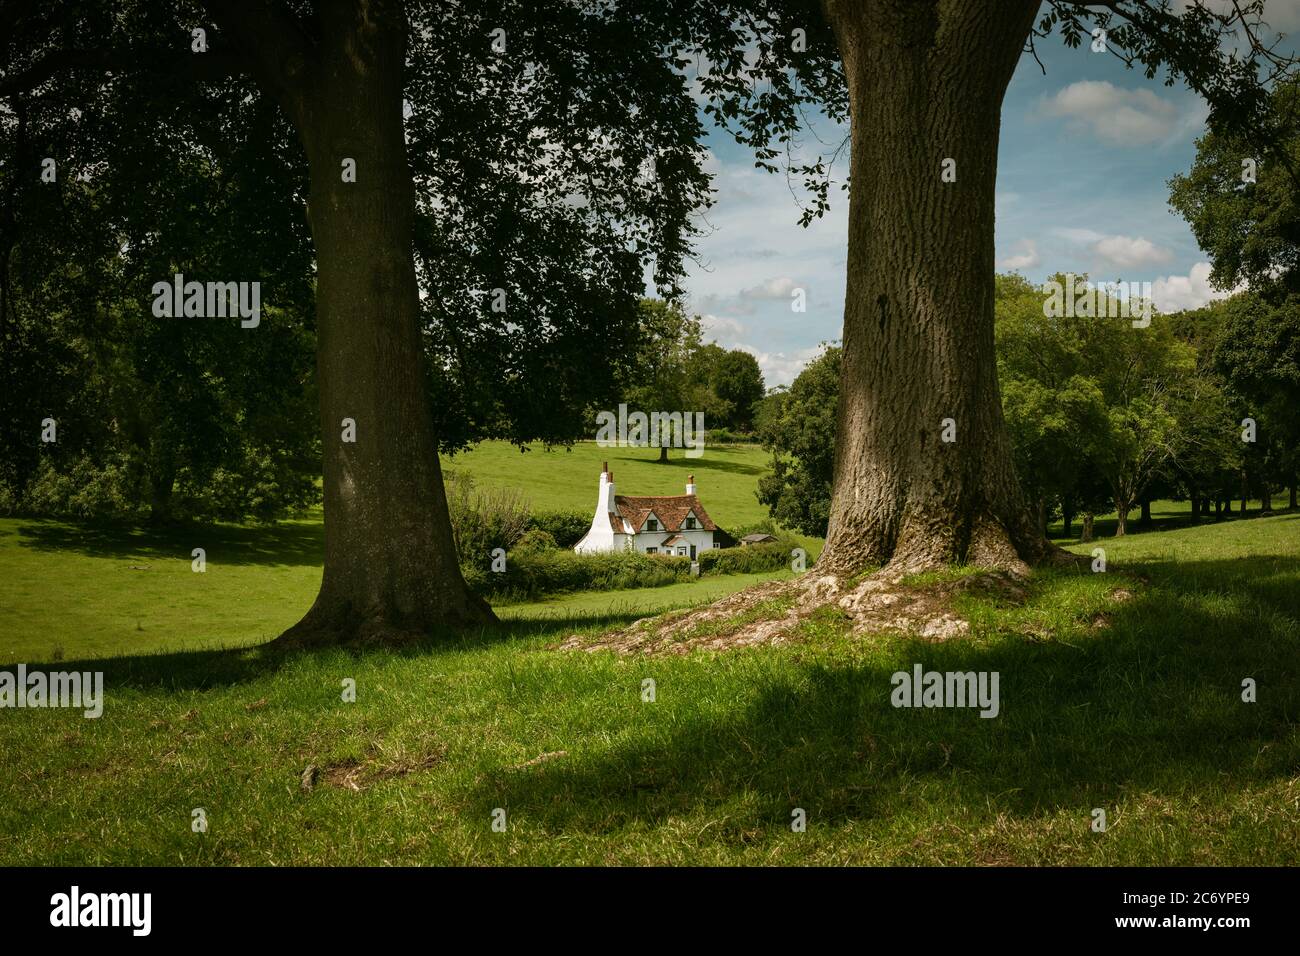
[(690, 484), (606, 504)]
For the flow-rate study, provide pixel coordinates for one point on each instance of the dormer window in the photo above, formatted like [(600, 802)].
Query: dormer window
[(652, 524), (689, 524)]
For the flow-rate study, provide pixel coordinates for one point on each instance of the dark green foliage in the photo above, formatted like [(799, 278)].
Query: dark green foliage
[(798, 427), (483, 519), (535, 541), (748, 559), (566, 528), (530, 575)]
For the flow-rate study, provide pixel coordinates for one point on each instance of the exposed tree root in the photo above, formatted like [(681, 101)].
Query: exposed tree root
[(884, 602)]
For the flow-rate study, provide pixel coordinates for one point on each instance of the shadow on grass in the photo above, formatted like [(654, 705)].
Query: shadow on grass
[(1149, 703), (1104, 528), (281, 544), (712, 460), (226, 667)]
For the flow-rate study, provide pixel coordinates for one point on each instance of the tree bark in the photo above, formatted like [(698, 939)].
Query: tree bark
[(663, 453), (1145, 518), (1196, 508), (1087, 528), (1293, 496), (926, 83), (1067, 519), (391, 570), (1122, 508)]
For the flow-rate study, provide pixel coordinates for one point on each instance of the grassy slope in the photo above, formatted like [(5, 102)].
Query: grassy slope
[(567, 479), (1141, 716), (87, 592)]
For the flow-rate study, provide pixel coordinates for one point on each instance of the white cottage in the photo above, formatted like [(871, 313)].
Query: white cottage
[(659, 524)]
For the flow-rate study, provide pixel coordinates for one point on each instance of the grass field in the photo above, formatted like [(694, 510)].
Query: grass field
[(567, 479), (80, 591), (1133, 707)]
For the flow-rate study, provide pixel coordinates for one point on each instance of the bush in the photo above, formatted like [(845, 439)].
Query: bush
[(765, 526), (535, 541), (748, 559), (86, 489), (530, 575), (483, 520), (566, 527)]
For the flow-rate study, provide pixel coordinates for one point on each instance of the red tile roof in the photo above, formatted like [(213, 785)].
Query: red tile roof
[(671, 510)]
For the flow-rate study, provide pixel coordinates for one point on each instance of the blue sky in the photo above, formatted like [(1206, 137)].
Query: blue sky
[(1086, 155)]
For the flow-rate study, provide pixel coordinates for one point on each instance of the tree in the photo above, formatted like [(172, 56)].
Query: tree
[(1242, 205), (179, 419), (1054, 410), (549, 153), (737, 380), (798, 427), (923, 84), (1257, 351), (664, 378)]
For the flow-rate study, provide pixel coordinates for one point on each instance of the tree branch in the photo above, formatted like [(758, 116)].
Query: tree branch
[(280, 51), (201, 67)]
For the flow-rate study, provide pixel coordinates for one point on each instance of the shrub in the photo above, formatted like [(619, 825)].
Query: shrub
[(484, 519), (566, 527), (748, 559), (532, 574), (535, 541), (86, 489)]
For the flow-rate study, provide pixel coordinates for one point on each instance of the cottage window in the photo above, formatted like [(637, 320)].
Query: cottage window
[(690, 524), (651, 550), (651, 525)]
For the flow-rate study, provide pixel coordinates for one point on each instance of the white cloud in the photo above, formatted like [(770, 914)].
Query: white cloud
[(771, 289), (1175, 293), (1130, 253), (1078, 235), (721, 328), (782, 368), (1126, 117), (1026, 258)]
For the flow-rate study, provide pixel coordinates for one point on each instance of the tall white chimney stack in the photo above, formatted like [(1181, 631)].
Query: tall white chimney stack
[(690, 484)]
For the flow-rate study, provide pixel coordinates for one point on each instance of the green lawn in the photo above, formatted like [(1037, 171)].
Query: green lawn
[(562, 479), (1133, 707)]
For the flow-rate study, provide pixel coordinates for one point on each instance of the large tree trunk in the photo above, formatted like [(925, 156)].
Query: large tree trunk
[(391, 570), (925, 83)]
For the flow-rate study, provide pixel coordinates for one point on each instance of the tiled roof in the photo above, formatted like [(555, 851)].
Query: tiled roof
[(671, 510)]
